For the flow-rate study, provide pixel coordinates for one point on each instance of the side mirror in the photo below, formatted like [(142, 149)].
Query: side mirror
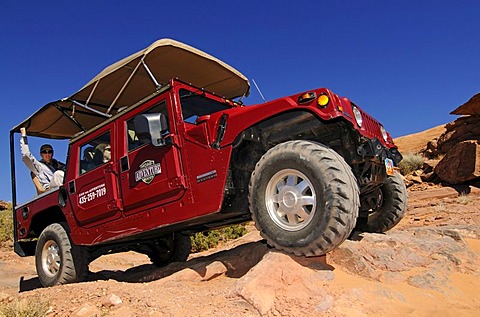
[(149, 128)]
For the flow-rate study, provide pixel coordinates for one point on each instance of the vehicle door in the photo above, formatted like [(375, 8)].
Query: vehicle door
[(150, 175), (202, 124), (94, 191)]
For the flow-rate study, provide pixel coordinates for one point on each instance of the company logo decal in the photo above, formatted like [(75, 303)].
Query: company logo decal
[(206, 176), (147, 172)]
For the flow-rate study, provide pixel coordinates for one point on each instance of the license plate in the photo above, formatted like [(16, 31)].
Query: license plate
[(389, 167)]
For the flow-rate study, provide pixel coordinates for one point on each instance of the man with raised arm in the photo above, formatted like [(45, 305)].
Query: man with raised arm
[(48, 170)]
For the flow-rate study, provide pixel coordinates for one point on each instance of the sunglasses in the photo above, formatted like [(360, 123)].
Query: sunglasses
[(47, 152)]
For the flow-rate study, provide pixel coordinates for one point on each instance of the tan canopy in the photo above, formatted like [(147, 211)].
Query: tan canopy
[(131, 79)]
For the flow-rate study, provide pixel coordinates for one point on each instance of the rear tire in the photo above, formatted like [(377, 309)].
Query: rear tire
[(176, 250), (303, 198), (391, 206), (57, 260)]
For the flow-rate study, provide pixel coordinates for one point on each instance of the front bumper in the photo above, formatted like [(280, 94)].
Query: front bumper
[(373, 148), (371, 171)]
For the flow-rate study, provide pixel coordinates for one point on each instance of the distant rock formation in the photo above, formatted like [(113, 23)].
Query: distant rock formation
[(4, 205), (463, 129), (471, 107), (459, 145)]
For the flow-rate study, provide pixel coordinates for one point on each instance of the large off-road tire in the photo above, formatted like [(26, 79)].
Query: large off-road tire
[(389, 208), (57, 259), (177, 250), (303, 198)]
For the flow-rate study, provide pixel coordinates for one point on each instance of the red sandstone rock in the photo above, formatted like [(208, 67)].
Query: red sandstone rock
[(460, 164)]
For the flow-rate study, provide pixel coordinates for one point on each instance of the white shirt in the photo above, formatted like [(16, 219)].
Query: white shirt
[(43, 173)]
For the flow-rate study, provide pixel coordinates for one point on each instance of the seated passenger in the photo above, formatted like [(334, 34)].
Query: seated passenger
[(86, 163), (102, 154), (107, 154)]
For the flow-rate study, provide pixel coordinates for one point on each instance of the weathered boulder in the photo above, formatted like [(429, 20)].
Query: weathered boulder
[(471, 107), (428, 174), (429, 165), (463, 129), (286, 285), (460, 164), (431, 148)]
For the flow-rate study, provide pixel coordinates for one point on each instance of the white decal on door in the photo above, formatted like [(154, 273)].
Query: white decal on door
[(91, 194)]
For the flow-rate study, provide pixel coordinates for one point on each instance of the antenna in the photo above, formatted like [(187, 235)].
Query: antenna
[(259, 90)]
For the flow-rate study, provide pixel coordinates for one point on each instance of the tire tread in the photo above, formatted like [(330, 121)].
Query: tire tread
[(342, 193)]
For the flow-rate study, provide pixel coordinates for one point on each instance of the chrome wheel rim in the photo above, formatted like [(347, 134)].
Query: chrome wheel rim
[(290, 199), (51, 259)]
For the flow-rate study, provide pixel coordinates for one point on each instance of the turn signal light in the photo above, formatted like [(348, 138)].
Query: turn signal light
[(323, 100), (306, 97)]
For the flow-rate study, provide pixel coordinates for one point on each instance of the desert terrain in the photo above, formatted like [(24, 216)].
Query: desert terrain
[(428, 265)]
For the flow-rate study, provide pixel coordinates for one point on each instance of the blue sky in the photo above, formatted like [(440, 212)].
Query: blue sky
[(408, 63)]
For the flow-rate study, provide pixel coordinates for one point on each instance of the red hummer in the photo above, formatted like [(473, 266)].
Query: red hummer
[(186, 157)]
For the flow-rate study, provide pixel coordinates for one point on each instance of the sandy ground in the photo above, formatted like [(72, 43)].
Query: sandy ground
[(191, 289), (414, 143)]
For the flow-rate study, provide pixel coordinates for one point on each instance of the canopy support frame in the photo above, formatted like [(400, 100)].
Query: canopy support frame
[(91, 93), (124, 86), (106, 115), (69, 116), (158, 85)]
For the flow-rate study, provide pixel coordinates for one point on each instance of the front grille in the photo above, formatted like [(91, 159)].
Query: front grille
[(371, 126)]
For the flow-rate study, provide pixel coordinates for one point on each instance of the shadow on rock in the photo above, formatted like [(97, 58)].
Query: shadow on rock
[(317, 263), (28, 285), (462, 189), (233, 263), (356, 235)]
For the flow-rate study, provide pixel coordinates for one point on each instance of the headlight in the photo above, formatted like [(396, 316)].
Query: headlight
[(384, 133), (358, 116)]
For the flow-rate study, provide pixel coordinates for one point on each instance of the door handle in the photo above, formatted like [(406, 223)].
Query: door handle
[(110, 168)]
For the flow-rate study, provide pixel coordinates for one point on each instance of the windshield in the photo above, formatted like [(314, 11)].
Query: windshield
[(195, 105)]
